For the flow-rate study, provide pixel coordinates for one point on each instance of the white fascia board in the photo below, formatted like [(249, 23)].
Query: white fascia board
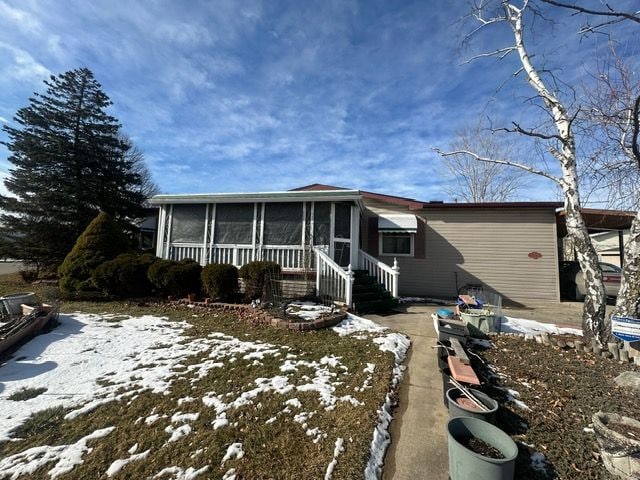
[(295, 196)]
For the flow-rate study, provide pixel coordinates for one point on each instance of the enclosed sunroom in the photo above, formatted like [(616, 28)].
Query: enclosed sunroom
[(302, 231)]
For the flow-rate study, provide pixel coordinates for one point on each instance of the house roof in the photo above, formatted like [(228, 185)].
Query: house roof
[(598, 219), (250, 197), (413, 204)]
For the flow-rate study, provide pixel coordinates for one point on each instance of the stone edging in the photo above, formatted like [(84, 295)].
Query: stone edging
[(260, 316), (613, 351)]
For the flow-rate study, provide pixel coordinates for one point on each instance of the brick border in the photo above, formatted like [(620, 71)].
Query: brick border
[(260, 316)]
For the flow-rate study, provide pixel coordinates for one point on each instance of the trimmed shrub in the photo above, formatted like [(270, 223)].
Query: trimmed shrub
[(102, 240), (220, 281), (176, 278), (125, 276), (255, 275)]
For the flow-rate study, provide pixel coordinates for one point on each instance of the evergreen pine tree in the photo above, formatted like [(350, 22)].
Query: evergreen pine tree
[(69, 163)]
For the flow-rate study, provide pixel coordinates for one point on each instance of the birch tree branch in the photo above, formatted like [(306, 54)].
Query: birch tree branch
[(633, 16), (480, 158)]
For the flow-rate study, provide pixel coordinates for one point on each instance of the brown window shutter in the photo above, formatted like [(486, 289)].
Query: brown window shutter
[(420, 240), (372, 236)]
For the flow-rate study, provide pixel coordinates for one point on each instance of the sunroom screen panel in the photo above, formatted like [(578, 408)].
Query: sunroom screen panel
[(321, 223), (187, 223), (283, 224), (234, 224)]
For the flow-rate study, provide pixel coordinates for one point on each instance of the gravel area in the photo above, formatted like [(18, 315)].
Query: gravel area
[(548, 396)]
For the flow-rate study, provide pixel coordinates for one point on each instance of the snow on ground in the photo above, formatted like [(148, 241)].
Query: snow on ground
[(66, 457), (522, 325), (89, 360), (308, 310), (397, 344)]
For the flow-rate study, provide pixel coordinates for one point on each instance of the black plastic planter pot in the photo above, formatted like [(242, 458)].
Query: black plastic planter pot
[(465, 464), (457, 410)]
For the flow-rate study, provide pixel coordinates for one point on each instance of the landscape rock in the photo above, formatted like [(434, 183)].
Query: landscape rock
[(629, 380)]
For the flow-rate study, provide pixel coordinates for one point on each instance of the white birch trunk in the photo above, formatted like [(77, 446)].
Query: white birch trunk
[(594, 322), (628, 302)]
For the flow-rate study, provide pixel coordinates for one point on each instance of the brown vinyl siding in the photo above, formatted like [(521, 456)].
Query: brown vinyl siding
[(481, 246)]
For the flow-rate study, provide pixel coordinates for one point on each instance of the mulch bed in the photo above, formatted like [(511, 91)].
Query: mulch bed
[(563, 389)]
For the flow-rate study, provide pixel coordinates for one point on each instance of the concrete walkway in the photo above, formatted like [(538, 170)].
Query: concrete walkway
[(418, 438)]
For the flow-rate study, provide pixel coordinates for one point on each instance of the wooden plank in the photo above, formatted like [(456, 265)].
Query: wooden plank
[(461, 372), (467, 300), (460, 352)]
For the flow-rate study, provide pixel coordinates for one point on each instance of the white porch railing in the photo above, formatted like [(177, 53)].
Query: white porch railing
[(182, 251), (289, 257), (332, 280), (386, 275)]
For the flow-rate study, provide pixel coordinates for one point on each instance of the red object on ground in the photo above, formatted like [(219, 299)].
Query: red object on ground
[(461, 372), (466, 403)]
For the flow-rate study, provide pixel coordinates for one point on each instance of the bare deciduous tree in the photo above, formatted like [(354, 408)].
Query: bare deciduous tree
[(480, 182), (613, 118), (559, 140)]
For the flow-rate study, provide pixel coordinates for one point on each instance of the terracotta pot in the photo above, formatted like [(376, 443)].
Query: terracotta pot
[(192, 297), (170, 298)]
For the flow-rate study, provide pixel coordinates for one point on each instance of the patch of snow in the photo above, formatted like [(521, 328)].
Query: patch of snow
[(186, 399), (339, 448), (65, 456), (308, 310), (271, 420), (151, 419), (293, 402), (133, 449), (119, 464), (234, 451), (398, 344), (588, 430), (184, 417), (179, 473), (522, 325), (230, 474), (177, 433), (435, 301)]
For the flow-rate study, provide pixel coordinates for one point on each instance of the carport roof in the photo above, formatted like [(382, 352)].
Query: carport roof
[(599, 220)]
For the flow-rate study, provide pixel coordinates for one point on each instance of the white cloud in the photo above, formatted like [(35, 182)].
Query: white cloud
[(21, 19), (23, 66), (3, 120)]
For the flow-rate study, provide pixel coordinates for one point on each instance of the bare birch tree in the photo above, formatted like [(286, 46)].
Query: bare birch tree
[(480, 182), (613, 116), (560, 143)]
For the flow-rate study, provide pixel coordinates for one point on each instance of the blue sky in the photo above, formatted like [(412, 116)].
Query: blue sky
[(231, 95)]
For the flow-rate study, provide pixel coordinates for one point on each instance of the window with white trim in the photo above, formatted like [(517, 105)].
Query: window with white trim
[(396, 244)]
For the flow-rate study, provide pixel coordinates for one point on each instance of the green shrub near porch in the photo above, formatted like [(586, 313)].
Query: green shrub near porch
[(125, 276), (176, 278), (255, 276), (102, 240), (220, 281)]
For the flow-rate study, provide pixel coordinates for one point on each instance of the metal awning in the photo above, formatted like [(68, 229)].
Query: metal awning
[(397, 223)]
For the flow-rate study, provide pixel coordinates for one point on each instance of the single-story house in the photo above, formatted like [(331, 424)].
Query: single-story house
[(412, 248)]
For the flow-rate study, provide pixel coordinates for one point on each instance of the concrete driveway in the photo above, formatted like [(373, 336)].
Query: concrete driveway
[(418, 438)]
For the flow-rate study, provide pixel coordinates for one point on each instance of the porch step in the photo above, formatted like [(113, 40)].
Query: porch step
[(376, 306), (369, 296)]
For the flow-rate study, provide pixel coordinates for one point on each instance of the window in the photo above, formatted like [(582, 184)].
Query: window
[(188, 223), (234, 224), (283, 224), (321, 223), (342, 227), (400, 244)]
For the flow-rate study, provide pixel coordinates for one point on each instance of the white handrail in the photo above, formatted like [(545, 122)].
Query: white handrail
[(332, 280), (385, 274)]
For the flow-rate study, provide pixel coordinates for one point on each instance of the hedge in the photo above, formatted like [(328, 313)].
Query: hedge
[(176, 278), (125, 276), (255, 276), (220, 281), (102, 240)]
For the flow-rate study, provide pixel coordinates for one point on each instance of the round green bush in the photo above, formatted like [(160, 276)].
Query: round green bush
[(125, 276), (255, 275), (220, 281), (176, 278), (102, 240)]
